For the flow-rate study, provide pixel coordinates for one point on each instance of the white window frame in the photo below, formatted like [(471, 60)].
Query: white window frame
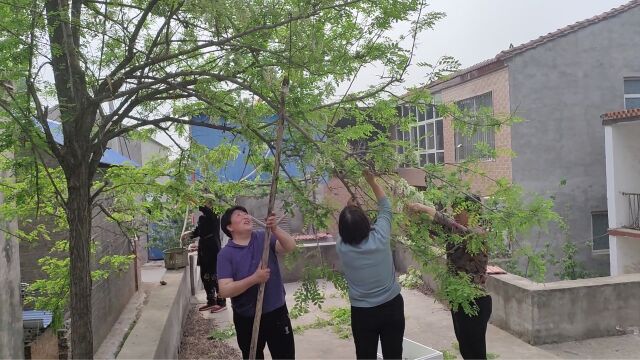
[(457, 135), (415, 139), (630, 96), (599, 251)]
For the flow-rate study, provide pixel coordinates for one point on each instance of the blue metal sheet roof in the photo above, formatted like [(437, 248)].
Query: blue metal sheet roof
[(45, 316), (110, 156), (237, 169)]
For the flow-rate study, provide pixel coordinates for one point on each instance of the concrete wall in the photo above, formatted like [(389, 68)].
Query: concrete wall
[(158, 331), (561, 88), (403, 259), (623, 172), (564, 310), (257, 207), (11, 345), (309, 255)]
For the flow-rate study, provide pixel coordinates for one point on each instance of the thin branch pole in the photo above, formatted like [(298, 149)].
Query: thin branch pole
[(272, 200)]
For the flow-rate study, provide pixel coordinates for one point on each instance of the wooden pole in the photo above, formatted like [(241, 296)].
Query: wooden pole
[(272, 200)]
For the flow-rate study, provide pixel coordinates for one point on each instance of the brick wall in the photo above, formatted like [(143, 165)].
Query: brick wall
[(111, 295), (498, 84)]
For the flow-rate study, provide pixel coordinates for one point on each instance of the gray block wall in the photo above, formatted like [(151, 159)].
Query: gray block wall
[(561, 88), (111, 295)]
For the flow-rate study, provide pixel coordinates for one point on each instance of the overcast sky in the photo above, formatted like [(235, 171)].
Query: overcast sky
[(476, 30)]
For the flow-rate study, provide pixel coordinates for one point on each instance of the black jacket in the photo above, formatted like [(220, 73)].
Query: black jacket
[(208, 230)]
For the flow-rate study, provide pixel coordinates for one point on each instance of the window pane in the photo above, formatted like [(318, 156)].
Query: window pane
[(423, 140), (414, 136), (432, 158), (430, 112), (440, 157), (465, 145), (421, 115), (600, 226), (412, 111), (439, 135), (430, 136), (484, 101), (423, 159), (632, 103), (399, 110), (632, 86)]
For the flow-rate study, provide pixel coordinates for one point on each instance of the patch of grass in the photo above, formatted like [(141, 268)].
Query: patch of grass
[(318, 324), (339, 321), (491, 356), (448, 355), (223, 334)]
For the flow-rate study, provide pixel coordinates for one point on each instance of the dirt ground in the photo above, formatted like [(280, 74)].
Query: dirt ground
[(196, 344)]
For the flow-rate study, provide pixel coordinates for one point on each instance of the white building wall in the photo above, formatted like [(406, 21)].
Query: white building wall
[(622, 149)]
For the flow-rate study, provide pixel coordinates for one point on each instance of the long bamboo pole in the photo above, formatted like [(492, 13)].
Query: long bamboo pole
[(284, 89)]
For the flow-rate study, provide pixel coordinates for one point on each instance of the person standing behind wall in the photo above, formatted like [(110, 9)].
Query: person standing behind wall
[(377, 308), (208, 232), (470, 330)]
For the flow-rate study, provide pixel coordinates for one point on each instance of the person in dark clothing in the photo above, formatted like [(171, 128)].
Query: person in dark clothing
[(208, 232), (470, 330)]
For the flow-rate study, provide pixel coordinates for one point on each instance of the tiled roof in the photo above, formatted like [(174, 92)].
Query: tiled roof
[(567, 30), (620, 116), (463, 71), (505, 54)]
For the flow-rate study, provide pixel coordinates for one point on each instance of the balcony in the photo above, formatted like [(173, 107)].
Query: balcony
[(633, 201)]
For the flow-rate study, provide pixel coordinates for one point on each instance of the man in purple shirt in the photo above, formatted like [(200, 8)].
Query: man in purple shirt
[(240, 273)]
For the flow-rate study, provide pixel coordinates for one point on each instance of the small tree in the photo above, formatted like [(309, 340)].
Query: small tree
[(160, 62)]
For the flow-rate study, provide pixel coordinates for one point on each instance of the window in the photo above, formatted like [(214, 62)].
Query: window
[(426, 135), (465, 144), (599, 231), (632, 93)]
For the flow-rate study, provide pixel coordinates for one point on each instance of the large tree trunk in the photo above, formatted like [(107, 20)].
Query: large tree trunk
[(79, 217), (78, 114)]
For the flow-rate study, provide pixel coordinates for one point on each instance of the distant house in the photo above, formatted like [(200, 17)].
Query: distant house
[(559, 83), (622, 148)]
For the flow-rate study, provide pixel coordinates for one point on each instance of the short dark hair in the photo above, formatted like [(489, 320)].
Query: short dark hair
[(353, 225), (225, 220)]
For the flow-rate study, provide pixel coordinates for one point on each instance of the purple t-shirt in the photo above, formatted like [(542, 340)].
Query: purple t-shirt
[(238, 262)]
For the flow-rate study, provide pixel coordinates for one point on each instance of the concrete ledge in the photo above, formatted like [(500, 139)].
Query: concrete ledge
[(311, 254), (543, 313), (158, 331), (564, 310), (403, 259)]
